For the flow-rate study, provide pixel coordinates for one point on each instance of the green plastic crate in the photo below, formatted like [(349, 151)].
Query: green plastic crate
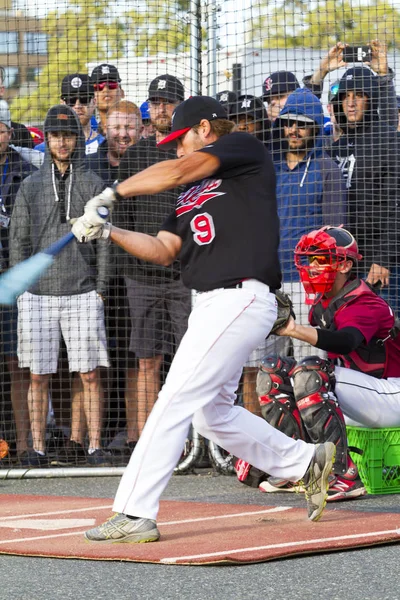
[(379, 466)]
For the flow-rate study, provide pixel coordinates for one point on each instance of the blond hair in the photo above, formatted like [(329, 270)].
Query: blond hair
[(127, 107)]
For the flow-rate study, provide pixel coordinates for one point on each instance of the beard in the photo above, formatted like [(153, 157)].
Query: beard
[(162, 125)]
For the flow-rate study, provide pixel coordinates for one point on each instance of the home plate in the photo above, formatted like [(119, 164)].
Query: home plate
[(192, 533)]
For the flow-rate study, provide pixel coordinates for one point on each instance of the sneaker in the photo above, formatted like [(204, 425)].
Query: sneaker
[(277, 484), (316, 479), (344, 489), (31, 458), (100, 458), (72, 454), (121, 529)]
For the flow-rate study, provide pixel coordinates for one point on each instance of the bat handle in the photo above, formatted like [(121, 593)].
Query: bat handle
[(55, 248)]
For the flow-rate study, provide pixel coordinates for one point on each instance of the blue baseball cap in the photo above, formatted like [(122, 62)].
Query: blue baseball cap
[(144, 111)]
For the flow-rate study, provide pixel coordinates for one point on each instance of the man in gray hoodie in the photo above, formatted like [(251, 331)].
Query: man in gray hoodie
[(68, 298)]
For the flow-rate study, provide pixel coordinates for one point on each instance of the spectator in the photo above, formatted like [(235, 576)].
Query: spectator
[(77, 91), (21, 135), (227, 99), (12, 171), (148, 128), (367, 153), (249, 114), (159, 303), (275, 91), (385, 91), (65, 298), (123, 129), (310, 187), (398, 109), (107, 91)]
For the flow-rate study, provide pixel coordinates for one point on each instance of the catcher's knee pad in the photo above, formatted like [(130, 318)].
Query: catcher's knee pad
[(313, 385), (275, 394)]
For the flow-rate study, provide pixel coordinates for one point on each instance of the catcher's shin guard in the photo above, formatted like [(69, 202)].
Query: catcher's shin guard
[(276, 397), (313, 384), (248, 474)]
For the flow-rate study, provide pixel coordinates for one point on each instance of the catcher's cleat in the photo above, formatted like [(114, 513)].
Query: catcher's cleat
[(277, 484), (316, 479), (344, 489), (121, 529)]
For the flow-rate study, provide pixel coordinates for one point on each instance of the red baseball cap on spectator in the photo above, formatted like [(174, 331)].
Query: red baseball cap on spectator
[(37, 135)]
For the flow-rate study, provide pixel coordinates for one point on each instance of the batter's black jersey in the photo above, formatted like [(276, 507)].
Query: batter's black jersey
[(229, 223)]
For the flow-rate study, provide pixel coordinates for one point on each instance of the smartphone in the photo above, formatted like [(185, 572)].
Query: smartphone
[(357, 54)]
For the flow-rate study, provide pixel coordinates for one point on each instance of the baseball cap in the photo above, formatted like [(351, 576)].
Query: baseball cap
[(37, 135), (190, 112), (105, 72), (78, 84), (5, 116), (226, 97), (296, 117), (61, 118), (280, 82), (167, 87), (248, 105), (144, 111)]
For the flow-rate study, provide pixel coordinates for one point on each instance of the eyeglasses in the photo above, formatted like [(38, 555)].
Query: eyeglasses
[(72, 100), (299, 124), (112, 85), (321, 259)]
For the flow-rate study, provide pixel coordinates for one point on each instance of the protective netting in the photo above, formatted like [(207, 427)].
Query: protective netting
[(85, 352)]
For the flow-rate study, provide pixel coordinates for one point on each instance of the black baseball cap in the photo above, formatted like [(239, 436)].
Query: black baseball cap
[(61, 118), (278, 83), (248, 105), (190, 112), (105, 72), (77, 85), (167, 87), (226, 97)]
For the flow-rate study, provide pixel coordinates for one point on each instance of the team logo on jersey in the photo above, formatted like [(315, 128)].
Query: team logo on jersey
[(198, 195)]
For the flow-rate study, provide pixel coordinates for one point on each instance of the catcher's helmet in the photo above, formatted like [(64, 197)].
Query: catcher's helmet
[(329, 247)]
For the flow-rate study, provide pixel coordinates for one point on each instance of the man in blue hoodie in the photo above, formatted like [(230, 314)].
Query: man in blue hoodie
[(311, 190)]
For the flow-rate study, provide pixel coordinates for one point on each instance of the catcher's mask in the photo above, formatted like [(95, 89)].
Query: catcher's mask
[(318, 256)]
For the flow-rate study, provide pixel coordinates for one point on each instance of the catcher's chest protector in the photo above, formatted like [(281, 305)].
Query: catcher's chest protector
[(371, 357)]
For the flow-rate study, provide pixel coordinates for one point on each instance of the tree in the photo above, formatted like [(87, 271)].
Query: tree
[(94, 31), (320, 24)]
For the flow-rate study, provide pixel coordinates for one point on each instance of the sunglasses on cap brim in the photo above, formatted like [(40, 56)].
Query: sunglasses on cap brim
[(112, 85)]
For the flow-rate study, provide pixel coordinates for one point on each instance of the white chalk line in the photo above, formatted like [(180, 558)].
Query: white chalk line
[(165, 523), (282, 545)]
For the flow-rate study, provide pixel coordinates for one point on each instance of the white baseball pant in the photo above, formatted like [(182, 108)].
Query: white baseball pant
[(224, 326)]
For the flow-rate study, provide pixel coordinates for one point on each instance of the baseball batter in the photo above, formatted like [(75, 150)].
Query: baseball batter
[(219, 231), (358, 330)]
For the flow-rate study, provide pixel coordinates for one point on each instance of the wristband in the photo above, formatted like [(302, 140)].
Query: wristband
[(106, 231), (118, 196)]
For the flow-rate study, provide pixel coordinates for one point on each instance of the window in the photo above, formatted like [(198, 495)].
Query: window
[(8, 42), (11, 77), (35, 43)]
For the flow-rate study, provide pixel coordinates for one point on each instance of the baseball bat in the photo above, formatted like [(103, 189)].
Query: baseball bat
[(22, 276)]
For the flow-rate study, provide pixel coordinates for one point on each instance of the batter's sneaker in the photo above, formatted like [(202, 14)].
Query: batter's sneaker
[(276, 484), (121, 529), (316, 479), (344, 489)]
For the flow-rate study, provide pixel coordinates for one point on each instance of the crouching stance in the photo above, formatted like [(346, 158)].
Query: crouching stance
[(360, 381)]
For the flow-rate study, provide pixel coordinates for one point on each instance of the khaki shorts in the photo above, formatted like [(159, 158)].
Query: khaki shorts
[(79, 319)]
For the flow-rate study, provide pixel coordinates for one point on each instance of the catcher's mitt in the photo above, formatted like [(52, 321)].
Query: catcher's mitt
[(285, 311)]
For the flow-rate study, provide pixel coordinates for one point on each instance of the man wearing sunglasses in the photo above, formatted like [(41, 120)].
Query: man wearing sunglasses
[(358, 330), (107, 91), (77, 92), (310, 189)]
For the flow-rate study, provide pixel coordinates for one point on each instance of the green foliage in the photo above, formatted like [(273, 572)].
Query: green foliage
[(94, 31), (322, 23)]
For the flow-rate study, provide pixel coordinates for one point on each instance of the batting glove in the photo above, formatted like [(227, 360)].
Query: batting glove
[(106, 198), (85, 231)]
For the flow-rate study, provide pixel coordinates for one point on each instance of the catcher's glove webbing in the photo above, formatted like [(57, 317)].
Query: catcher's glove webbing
[(285, 311)]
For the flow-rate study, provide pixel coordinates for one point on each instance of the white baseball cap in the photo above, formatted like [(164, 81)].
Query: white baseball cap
[(5, 116)]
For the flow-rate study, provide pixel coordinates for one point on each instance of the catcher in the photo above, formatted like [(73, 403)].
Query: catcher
[(358, 330)]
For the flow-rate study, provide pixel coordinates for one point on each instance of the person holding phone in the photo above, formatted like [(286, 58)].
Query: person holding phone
[(341, 54)]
